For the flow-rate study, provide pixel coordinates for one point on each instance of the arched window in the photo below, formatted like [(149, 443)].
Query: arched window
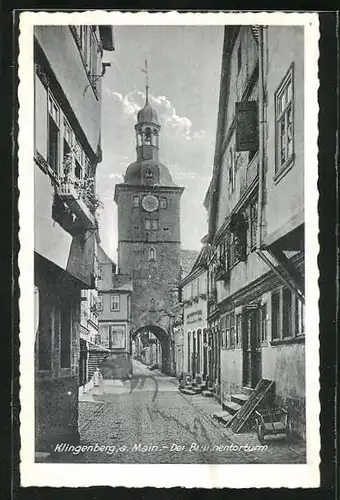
[(139, 137), (147, 135), (152, 254)]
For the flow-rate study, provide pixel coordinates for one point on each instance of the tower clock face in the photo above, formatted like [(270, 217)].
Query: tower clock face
[(150, 203)]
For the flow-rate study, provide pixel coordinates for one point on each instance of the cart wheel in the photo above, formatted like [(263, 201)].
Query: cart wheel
[(260, 433)]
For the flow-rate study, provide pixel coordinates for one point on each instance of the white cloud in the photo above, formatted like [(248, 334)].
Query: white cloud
[(199, 135), (180, 125), (116, 177)]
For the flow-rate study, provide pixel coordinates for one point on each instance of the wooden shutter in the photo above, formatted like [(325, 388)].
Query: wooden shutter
[(246, 126)]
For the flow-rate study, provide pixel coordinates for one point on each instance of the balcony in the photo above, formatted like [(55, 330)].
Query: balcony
[(221, 272), (69, 194)]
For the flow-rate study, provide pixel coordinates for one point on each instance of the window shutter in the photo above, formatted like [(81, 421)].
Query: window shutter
[(246, 126)]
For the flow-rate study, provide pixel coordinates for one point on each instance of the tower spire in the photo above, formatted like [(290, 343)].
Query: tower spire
[(145, 70)]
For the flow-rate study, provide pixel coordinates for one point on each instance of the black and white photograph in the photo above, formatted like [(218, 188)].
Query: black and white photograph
[(168, 261)]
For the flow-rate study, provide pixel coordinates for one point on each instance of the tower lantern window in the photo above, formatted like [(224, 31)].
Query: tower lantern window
[(148, 136)]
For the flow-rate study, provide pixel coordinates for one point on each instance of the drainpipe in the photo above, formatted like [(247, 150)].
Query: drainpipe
[(262, 122)]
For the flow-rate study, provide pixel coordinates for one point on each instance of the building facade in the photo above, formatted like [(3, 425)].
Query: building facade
[(114, 306), (149, 240), (255, 203), (193, 291), (66, 154)]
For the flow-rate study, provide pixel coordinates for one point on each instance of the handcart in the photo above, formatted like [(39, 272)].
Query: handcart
[(272, 421)]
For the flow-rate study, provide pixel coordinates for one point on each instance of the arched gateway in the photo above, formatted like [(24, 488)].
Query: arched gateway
[(149, 242), (166, 344)]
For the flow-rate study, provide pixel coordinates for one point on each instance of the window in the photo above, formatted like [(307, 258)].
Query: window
[(231, 171), (87, 167), (104, 335), (263, 323), (222, 329), (163, 202), (135, 201), (53, 134), (298, 316), (154, 225), (239, 58), (152, 254), (238, 338), (284, 122), (117, 337), (275, 315), (147, 224), (79, 155), (68, 140), (232, 330), (166, 229), (136, 228), (287, 315), (147, 136), (115, 303), (99, 303), (65, 335), (227, 331)]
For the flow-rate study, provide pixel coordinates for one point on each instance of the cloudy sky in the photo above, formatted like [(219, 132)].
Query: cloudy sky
[(184, 75)]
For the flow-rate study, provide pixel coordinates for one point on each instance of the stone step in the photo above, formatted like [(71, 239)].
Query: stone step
[(218, 415), (189, 392), (196, 389), (207, 394), (239, 398), (226, 419), (247, 391), (231, 407)]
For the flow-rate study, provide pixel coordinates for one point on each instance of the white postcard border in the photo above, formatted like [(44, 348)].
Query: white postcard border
[(190, 476)]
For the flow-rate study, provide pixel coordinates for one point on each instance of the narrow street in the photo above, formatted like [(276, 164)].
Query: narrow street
[(147, 420)]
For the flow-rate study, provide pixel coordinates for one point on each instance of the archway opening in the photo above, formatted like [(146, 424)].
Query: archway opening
[(151, 345)]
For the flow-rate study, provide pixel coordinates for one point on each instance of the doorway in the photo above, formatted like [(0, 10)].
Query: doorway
[(252, 367)]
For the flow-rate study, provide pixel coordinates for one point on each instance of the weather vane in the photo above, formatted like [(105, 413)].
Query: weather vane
[(145, 70)]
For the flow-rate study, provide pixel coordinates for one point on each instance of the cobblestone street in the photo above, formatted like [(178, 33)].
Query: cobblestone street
[(147, 420)]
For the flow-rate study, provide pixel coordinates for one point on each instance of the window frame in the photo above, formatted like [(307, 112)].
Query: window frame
[(238, 329), (117, 327), (99, 303), (113, 302), (293, 332), (152, 250), (282, 168), (52, 101)]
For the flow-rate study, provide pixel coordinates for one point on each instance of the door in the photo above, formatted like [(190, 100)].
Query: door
[(251, 349)]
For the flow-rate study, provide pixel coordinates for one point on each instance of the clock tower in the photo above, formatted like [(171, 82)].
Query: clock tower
[(149, 239)]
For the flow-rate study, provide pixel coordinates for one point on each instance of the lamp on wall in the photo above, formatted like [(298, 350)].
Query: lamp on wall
[(95, 78)]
